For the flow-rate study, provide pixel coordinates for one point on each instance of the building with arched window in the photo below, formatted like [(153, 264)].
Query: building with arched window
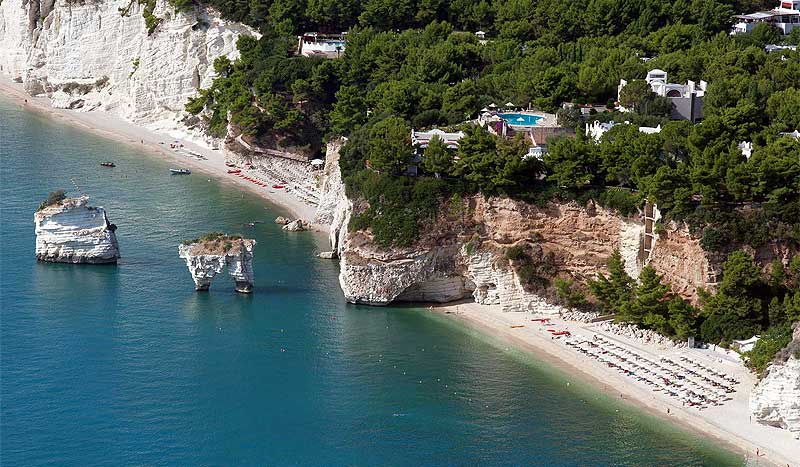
[(687, 99)]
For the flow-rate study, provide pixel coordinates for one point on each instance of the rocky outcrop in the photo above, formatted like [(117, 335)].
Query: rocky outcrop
[(775, 400), (207, 257), (465, 258), (297, 225), (71, 231), (678, 256), (334, 207), (93, 55)]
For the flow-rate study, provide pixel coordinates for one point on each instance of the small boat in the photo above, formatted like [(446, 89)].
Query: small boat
[(180, 171), (108, 164)]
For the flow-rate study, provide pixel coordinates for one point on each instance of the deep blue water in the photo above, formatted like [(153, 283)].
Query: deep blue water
[(127, 365)]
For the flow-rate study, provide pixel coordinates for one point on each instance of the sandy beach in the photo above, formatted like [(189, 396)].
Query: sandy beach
[(110, 126), (729, 424)]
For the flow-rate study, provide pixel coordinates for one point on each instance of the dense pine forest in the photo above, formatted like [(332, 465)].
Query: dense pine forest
[(418, 64)]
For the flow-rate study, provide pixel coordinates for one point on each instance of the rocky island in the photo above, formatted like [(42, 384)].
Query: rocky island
[(68, 230), (208, 255)]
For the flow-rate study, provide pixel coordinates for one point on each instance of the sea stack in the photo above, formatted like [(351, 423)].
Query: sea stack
[(208, 255), (68, 230)]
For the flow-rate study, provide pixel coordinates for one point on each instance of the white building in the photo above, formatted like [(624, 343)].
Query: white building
[(776, 48), (422, 138), (597, 129), (312, 44), (746, 148), (687, 99), (785, 17)]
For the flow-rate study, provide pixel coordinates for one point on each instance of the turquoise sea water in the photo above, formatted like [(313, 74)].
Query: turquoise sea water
[(127, 365), (520, 119)]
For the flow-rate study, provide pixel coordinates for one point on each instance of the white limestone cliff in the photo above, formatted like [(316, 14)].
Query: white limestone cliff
[(71, 231), (87, 55), (334, 207), (206, 259), (775, 400)]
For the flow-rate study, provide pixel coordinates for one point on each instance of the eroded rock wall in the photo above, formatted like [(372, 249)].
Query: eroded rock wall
[(775, 400), (74, 232), (464, 258), (88, 55)]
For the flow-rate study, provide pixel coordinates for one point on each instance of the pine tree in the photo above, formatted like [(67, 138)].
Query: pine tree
[(648, 306), (437, 158), (682, 318), (615, 290)]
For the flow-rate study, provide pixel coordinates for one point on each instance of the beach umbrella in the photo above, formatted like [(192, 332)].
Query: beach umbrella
[(520, 119), (509, 104), (484, 109), (317, 162), (492, 105)]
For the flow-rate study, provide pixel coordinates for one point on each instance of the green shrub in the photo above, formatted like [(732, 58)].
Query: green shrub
[(517, 253), (775, 339), (54, 197), (714, 239)]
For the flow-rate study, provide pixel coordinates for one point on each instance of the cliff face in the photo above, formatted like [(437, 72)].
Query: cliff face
[(73, 232), (205, 260), (464, 258), (88, 55), (775, 400)]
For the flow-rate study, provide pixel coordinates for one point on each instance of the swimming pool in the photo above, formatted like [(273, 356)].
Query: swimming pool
[(521, 119)]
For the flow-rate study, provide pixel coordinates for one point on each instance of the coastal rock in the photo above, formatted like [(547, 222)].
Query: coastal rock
[(206, 258), (327, 254), (280, 220), (445, 265), (775, 400), (92, 55), (71, 231), (332, 192), (298, 225)]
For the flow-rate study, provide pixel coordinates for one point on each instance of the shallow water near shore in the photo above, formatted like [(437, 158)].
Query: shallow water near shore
[(104, 365)]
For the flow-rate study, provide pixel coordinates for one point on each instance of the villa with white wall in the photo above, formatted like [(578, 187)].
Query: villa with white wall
[(785, 17), (313, 44), (687, 99)]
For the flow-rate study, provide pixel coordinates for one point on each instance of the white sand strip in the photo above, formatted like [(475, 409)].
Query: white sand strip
[(729, 423)]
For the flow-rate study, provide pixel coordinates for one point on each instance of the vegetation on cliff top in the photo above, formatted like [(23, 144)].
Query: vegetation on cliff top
[(215, 242), (54, 197), (409, 65)]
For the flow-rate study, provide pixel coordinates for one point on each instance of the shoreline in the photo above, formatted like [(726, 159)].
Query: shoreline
[(484, 319), (727, 426), (110, 126)]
